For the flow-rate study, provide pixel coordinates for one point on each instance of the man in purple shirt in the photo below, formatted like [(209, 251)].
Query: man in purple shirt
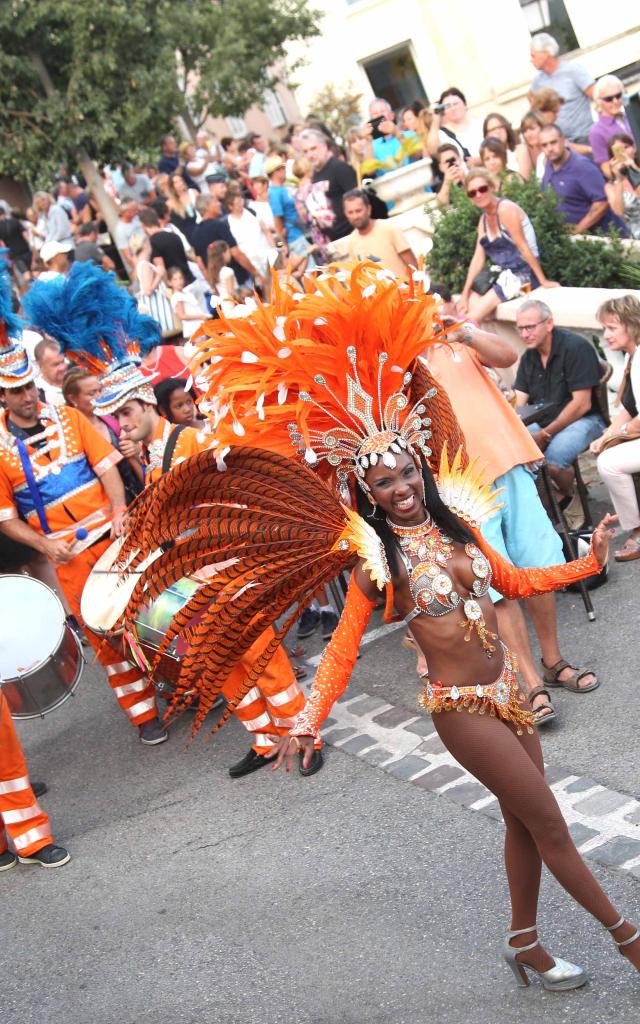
[(578, 184), (608, 92)]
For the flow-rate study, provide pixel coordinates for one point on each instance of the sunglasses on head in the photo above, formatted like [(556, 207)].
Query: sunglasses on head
[(610, 99), (479, 191)]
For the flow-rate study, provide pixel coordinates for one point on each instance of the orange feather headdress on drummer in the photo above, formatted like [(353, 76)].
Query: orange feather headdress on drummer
[(329, 373)]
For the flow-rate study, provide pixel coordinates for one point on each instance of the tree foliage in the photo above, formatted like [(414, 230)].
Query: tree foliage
[(578, 263), (109, 77), (337, 107)]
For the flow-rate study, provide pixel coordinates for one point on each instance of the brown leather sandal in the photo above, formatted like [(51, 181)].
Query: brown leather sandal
[(544, 712), (550, 674)]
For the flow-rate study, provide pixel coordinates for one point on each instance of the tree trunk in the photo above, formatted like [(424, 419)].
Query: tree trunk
[(95, 185)]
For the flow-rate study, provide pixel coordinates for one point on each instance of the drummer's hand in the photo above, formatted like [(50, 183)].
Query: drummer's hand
[(130, 449), (57, 551), (287, 748), (118, 521)]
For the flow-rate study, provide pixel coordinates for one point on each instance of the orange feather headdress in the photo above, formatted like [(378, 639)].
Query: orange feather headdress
[(327, 372)]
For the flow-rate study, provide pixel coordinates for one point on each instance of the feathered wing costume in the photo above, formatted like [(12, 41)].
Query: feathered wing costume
[(324, 373), (97, 325)]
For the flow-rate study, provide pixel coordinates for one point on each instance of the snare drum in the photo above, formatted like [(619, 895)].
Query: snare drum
[(40, 656)]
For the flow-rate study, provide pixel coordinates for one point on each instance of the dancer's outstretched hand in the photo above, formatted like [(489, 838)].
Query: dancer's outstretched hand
[(601, 537), (287, 748)]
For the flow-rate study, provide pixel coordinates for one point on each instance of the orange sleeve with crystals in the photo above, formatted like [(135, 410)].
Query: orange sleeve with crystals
[(513, 582), (337, 662)]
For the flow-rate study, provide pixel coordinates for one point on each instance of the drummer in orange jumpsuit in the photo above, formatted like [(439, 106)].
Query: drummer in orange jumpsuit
[(22, 820), (74, 484), (268, 709)]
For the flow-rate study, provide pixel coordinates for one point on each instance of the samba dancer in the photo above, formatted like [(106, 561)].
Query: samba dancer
[(342, 355), (58, 476)]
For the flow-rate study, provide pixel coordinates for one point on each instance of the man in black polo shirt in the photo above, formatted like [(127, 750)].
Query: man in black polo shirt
[(559, 372), (166, 248), (215, 228)]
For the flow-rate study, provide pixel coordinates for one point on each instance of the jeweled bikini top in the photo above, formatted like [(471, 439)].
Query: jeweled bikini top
[(425, 552)]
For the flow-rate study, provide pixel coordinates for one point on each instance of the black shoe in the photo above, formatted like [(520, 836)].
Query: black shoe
[(39, 788), (152, 733), (77, 629), (309, 622), (317, 761), (250, 763), (7, 860), (48, 857), (328, 622)]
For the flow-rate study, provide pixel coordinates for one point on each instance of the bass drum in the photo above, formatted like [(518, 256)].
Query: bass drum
[(40, 656)]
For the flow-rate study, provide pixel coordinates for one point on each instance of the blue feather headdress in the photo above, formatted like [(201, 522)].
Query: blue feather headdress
[(94, 320), (10, 323)]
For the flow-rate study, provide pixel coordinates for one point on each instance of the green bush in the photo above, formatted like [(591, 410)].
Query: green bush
[(584, 263)]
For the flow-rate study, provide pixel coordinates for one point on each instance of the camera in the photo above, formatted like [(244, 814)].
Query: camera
[(450, 161), (632, 176), (439, 108), (375, 123)]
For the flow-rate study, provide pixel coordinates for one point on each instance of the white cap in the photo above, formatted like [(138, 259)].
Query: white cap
[(51, 249)]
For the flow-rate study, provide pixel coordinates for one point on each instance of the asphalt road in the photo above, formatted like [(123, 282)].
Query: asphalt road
[(351, 897)]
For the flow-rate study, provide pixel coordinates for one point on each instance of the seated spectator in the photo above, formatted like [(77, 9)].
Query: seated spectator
[(331, 178), (87, 248), (138, 187), (612, 120), (453, 170), (215, 228), (52, 367), (389, 146), (618, 448), (623, 191), (559, 372), (573, 82), (80, 389), (548, 103), (181, 203), (252, 237), (378, 240), (579, 185), (176, 404), (166, 248), (529, 155), (184, 304), (455, 125), (285, 214), (494, 156), (506, 239), (55, 259), (128, 224), (497, 126)]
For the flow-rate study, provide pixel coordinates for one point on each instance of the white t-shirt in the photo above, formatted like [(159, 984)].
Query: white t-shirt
[(191, 305), (252, 240), (263, 212), (470, 136)]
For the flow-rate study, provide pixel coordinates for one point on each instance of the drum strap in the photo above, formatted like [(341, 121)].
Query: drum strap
[(171, 447), (34, 490)]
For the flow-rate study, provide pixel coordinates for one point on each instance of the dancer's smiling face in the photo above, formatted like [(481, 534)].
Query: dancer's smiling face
[(399, 491)]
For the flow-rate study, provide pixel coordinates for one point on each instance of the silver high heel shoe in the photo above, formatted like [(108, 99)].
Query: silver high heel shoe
[(559, 978), (625, 942)]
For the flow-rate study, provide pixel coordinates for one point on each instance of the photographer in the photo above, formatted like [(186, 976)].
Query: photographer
[(452, 170), (451, 123), (384, 139), (623, 191)]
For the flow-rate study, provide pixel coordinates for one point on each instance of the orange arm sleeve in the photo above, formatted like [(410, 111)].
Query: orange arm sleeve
[(513, 582), (337, 662)]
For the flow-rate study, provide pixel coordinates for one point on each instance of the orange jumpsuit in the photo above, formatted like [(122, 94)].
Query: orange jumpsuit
[(67, 472), (21, 818), (270, 708)]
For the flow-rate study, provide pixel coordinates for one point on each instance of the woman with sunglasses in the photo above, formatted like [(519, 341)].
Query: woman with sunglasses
[(608, 94), (505, 239)]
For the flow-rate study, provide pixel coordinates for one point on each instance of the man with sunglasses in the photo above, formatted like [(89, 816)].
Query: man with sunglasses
[(612, 120)]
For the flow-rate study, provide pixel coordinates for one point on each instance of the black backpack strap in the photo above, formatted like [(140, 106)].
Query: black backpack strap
[(452, 135), (171, 447)]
